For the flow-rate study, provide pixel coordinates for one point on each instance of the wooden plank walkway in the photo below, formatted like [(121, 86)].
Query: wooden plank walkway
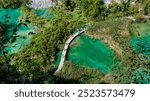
[(64, 52)]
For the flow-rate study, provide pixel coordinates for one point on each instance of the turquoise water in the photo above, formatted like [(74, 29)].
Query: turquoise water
[(90, 53), (142, 44), (16, 33), (9, 17), (40, 12), (141, 76), (44, 13)]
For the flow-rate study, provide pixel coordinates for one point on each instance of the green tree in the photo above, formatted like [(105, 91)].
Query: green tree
[(70, 4), (113, 7), (8, 72), (147, 7), (132, 9), (2, 36), (93, 9), (12, 3)]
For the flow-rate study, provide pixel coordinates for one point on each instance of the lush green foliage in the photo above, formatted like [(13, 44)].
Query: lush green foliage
[(118, 32), (69, 4), (8, 73), (2, 37), (12, 3), (81, 74), (35, 62), (147, 7), (96, 10), (93, 9)]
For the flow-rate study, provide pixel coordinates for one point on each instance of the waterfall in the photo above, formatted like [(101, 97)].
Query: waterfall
[(40, 3)]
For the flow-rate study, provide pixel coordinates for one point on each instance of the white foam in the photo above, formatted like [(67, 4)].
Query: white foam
[(40, 3)]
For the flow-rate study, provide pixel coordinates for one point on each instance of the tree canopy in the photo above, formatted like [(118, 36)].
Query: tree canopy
[(12, 3)]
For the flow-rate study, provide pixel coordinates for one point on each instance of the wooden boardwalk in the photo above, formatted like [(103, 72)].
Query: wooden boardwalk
[(64, 52)]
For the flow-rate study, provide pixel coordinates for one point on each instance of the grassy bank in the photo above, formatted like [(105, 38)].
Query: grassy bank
[(117, 33)]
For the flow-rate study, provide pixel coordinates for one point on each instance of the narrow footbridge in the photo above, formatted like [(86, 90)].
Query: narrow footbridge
[(64, 52)]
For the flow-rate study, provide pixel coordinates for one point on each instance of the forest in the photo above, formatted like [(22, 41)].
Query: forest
[(2, 38), (34, 63), (12, 3)]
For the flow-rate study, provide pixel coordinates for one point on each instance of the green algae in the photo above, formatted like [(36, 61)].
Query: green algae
[(90, 53)]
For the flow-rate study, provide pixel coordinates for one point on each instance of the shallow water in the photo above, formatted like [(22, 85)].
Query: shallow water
[(141, 76), (16, 33), (142, 44), (9, 18), (40, 12), (90, 53), (44, 13)]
